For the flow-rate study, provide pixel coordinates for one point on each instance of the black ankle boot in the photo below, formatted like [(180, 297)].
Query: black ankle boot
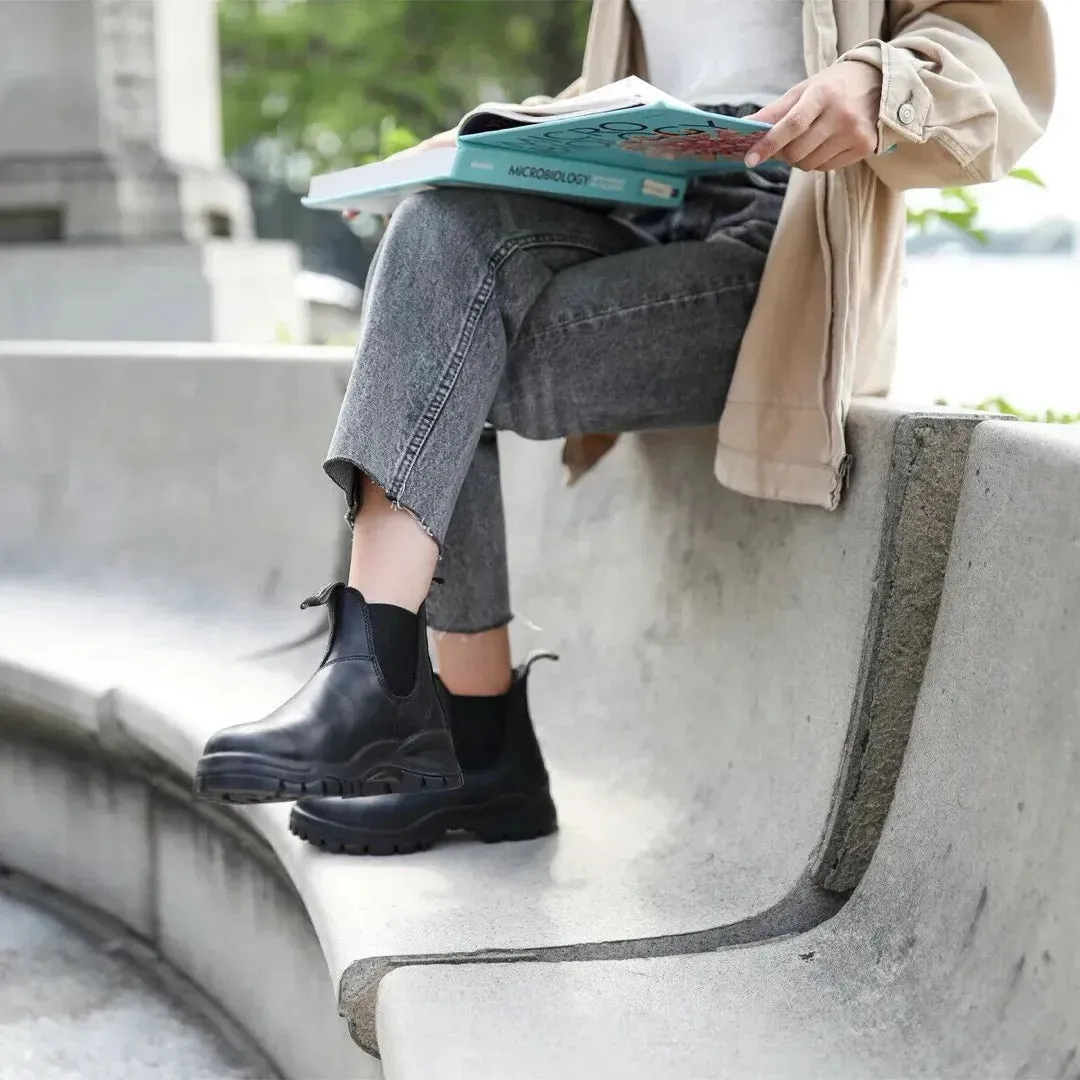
[(343, 732), (509, 799)]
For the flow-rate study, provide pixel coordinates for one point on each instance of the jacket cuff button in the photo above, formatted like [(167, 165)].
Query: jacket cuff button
[(906, 113)]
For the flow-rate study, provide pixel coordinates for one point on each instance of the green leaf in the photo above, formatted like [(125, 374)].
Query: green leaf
[(1000, 406), (1029, 176)]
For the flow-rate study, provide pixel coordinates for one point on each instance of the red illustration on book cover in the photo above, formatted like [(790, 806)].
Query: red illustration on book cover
[(699, 145)]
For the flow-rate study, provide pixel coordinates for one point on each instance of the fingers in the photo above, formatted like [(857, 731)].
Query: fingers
[(780, 107), (796, 123), (348, 215), (828, 149), (841, 161), (823, 129), (810, 144)]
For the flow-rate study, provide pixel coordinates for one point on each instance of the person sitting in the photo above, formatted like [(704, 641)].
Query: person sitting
[(760, 303)]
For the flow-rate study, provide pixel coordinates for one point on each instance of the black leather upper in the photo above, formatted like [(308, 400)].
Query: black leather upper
[(345, 704), (518, 770)]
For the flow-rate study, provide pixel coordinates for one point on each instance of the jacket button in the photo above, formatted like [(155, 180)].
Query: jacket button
[(906, 113)]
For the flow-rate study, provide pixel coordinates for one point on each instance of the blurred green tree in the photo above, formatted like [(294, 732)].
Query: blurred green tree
[(959, 209), (313, 85), (331, 83)]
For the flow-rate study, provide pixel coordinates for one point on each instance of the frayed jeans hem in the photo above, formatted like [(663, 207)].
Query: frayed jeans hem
[(347, 474)]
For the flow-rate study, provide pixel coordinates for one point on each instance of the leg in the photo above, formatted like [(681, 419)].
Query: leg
[(470, 611), (456, 276), (585, 360), (582, 360), (508, 249), (643, 339), (475, 665), (393, 559)]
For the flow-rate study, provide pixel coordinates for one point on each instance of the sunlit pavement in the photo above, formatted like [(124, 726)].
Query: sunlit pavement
[(70, 1010)]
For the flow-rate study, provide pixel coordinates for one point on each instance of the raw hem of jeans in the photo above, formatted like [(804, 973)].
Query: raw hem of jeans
[(503, 621), (353, 507)]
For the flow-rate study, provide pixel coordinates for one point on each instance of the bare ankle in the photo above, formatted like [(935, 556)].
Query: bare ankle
[(475, 665), (393, 558)]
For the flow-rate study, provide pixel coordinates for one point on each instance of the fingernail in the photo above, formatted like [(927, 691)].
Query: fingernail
[(752, 159)]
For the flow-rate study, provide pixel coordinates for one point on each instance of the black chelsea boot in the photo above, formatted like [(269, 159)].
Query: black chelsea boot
[(343, 732), (509, 798)]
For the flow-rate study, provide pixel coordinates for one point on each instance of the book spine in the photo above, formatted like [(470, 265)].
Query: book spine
[(496, 167)]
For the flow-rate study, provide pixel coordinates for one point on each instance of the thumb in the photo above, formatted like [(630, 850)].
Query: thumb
[(781, 106)]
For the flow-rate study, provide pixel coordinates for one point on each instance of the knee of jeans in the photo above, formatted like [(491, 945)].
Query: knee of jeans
[(446, 219)]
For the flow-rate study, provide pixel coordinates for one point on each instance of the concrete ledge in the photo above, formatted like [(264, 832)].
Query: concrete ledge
[(712, 843), (714, 653), (170, 477), (198, 887), (925, 478), (109, 936), (956, 954)]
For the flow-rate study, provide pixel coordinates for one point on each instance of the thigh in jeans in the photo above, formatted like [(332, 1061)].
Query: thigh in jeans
[(645, 338), (642, 339), (456, 276)]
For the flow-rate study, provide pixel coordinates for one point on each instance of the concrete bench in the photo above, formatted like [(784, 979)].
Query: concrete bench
[(723, 731), (957, 953), (159, 521)]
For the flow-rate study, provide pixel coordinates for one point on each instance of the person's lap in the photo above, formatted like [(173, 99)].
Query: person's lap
[(643, 338)]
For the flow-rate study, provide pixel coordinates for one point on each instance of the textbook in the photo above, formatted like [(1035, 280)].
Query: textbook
[(624, 143)]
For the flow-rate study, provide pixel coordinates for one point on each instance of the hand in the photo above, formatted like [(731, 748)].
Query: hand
[(444, 138), (826, 122)]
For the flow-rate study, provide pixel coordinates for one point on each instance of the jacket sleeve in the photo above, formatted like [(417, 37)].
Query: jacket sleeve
[(967, 87)]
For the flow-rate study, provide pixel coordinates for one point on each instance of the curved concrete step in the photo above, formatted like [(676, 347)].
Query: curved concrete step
[(956, 955), (722, 658), (97, 816)]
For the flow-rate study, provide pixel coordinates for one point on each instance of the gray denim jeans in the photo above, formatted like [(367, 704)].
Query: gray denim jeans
[(487, 310)]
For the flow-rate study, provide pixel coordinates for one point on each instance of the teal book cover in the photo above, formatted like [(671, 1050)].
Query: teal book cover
[(623, 144), (378, 188), (496, 166), (664, 137)]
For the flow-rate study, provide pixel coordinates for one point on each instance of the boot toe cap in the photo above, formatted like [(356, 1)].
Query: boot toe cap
[(250, 739)]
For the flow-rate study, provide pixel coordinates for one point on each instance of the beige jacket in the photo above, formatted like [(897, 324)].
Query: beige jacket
[(968, 86)]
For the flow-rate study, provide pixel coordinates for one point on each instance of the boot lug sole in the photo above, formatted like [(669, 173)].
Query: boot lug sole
[(243, 778), (490, 823)]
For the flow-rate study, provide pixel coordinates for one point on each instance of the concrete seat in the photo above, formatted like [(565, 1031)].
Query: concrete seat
[(161, 516), (729, 689), (956, 955)]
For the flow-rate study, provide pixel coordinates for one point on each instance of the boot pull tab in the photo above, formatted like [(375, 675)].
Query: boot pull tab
[(322, 596), (536, 654), (325, 597)]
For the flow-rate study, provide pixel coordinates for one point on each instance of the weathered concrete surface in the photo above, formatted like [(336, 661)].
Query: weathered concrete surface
[(956, 955), (170, 478), (925, 479), (691, 799), (714, 650), (199, 889), (74, 1005), (695, 728)]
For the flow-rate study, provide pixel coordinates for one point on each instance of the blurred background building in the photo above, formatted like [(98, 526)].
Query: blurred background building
[(152, 155), (119, 216)]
